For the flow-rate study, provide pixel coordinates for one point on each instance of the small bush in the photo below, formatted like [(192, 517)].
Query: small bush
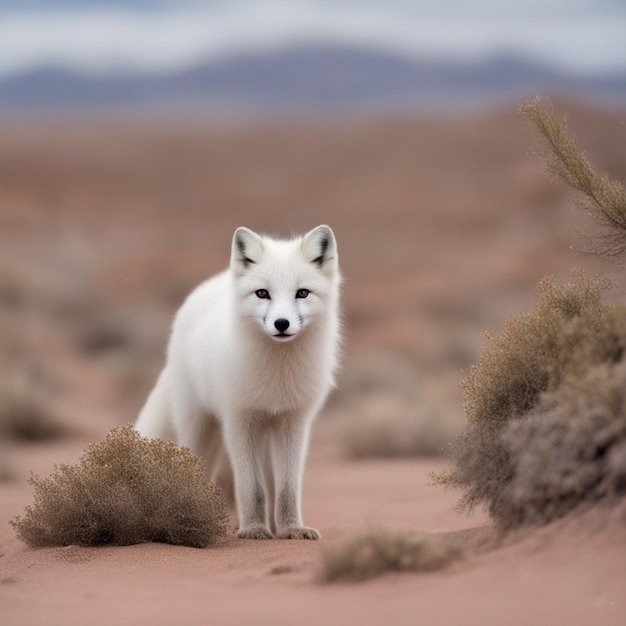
[(24, 416), (125, 489), (545, 429), (388, 434), (379, 551), (6, 473), (100, 336), (12, 290), (390, 415)]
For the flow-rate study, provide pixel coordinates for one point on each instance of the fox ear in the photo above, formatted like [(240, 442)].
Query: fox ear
[(320, 247), (247, 248)]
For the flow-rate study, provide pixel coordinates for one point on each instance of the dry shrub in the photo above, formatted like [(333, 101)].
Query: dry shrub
[(571, 330), (482, 468), (125, 489), (6, 473), (574, 453), (546, 405), (12, 293), (379, 551), (24, 416), (603, 199), (392, 432), (545, 429), (99, 336), (374, 376), (388, 414)]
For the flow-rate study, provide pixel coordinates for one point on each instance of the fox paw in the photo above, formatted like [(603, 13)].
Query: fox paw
[(254, 532), (298, 532)]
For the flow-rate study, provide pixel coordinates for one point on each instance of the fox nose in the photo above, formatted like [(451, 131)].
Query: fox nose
[(281, 325)]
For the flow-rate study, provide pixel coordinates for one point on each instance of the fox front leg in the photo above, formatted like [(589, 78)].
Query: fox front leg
[(249, 490), (289, 447)]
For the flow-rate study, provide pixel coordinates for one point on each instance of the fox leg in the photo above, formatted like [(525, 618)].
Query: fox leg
[(289, 445), (245, 456)]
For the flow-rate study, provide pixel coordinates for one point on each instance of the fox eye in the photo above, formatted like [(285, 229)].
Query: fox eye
[(302, 293), (263, 294)]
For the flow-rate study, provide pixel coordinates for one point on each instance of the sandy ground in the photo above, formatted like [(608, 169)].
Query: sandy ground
[(445, 228)]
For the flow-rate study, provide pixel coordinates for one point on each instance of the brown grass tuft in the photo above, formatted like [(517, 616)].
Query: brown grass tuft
[(379, 551), (125, 489)]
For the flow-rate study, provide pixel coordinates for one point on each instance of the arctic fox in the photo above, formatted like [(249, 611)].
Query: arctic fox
[(250, 361)]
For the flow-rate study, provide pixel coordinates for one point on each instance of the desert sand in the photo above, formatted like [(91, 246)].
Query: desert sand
[(445, 227)]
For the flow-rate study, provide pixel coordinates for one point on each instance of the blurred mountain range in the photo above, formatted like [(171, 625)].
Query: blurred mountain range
[(305, 79)]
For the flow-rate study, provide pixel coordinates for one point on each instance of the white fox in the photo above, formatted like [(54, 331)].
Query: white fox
[(250, 361)]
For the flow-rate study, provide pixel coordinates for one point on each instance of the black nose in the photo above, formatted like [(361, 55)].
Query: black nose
[(281, 325)]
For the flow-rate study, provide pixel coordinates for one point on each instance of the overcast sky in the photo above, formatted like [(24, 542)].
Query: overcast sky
[(102, 36)]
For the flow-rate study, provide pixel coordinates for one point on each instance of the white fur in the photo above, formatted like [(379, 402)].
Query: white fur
[(235, 388)]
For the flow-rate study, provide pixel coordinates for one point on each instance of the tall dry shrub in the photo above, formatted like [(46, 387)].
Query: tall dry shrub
[(125, 489), (521, 405), (546, 404)]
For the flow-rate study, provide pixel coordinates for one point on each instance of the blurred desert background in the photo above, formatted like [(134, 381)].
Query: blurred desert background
[(111, 214)]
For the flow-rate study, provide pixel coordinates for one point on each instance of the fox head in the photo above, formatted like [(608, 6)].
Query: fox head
[(284, 286)]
